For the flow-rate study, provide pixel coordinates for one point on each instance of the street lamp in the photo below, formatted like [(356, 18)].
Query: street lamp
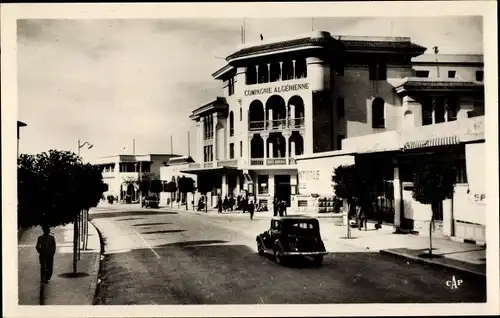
[(80, 146), (84, 216)]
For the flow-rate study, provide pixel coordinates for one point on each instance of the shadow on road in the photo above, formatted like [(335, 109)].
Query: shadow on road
[(163, 231), (148, 224), (210, 272), (99, 215)]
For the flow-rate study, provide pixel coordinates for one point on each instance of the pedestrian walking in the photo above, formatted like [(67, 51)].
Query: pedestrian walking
[(225, 204), (231, 203), (46, 248), (219, 204), (244, 203), (251, 209), (361, 212), (275, 206)]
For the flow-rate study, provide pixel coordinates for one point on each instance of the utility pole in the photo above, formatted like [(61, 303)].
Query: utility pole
[(171, 145), (189, 145), (436, 51), (133, 146)]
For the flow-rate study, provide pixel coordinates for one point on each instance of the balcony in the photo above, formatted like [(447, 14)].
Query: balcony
[(208, 165), (272, 161), (276, 124), (208, 136)]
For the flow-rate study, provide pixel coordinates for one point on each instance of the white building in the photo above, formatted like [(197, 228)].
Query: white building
[(296, 108), (121, 172)]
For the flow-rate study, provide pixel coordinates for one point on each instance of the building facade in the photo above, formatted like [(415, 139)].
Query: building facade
[(295, 108), (121, 172)]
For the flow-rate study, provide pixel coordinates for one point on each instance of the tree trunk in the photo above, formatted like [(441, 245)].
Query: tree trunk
[(186, 200), (75, 239), (431, 223), (206, 203), (348, 233)]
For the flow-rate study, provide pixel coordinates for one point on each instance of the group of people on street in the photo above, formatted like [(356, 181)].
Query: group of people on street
[(359, 212), (279, 207)]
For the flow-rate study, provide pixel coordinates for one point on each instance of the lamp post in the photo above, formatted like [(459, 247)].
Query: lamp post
[(84, 216)]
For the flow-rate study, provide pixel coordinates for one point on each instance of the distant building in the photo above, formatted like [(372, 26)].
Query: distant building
[(19, 125), (295, 108), (172, 173), (121, 172)]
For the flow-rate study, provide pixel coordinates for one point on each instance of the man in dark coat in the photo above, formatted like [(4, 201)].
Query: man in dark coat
[(46, 248), (251, 209)]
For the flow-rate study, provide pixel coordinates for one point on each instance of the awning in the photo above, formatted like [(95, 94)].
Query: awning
[(215, 170), (433, 142)]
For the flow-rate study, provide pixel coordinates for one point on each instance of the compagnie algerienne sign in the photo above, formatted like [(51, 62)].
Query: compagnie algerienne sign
[(277, 89)]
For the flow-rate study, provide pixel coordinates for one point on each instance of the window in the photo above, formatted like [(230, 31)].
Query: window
[(382, 72), (422, 74), (451, 74), (461, 171), (241, 148), (230, 86), (427, 113), (251, 75), (372, 69), (438, 106), (479, 76), (340, 107), (263, 184), (451, 109), (231, 124), (300, 68), (339, 141), (231, 150), (378, 118)]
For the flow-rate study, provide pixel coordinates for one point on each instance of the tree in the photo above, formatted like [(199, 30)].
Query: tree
[(433, 183), (171, 187), (354, 184), (156, 186), (54, 188), (130, 185), (186, 185)]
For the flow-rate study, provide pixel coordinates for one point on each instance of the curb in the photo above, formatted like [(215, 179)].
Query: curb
[(97, 265), (431, 262), (462, 240)]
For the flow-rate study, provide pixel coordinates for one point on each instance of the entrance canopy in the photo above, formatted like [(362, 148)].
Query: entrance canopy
[(216, 171)]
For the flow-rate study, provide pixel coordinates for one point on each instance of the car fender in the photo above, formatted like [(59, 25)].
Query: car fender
[(260, 239)]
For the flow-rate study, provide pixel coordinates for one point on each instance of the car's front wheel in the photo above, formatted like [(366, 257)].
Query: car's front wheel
[(318, 260)]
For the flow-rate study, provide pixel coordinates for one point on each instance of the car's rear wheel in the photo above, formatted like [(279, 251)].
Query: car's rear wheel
[(318, 260)]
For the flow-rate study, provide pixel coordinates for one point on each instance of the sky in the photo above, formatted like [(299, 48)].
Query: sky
[(109, 82)]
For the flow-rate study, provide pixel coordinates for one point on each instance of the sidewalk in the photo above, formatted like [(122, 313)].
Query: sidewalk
[(460, 256), (61, 290)]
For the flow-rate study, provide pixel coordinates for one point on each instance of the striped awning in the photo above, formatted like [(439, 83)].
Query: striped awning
[(433, 142)]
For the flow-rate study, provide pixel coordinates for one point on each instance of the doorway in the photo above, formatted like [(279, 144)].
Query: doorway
[(282, 189)]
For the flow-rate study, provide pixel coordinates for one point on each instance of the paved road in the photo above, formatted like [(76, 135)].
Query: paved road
[(167, 257)]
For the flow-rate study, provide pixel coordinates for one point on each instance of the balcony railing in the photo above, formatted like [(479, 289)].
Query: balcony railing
[(209, 135), (272, 161), (227, 163), (257, 161), (208, 165), (276, 161), (276, 124), (194, 165)]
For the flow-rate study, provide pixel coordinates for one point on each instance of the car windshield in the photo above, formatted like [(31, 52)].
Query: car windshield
[(301, 227)]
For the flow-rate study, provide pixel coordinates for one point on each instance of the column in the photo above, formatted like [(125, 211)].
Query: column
[(271, 152), (292, 149), (238, 190), (271, 189), (268, 67), (433, 105), (269, 124), (200, 141), (265, 137), (293, 72), (448, 217), (398, 194), (214, 116), (287, 155), (224, 186), (257, 74), (281, 71)]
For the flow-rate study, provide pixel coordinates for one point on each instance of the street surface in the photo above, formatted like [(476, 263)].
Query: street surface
[(155, 256)]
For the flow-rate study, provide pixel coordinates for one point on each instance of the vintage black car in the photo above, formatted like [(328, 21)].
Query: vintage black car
[(290, 237), (150, 202)]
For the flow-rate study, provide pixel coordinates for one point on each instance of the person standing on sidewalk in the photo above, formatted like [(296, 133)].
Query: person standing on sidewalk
[(219, 205), (46, 248), (251, 209)]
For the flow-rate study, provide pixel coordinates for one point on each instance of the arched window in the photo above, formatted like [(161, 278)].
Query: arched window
[(231, 124), (251, 75), (340, 107), (287, 69), (378, 116)]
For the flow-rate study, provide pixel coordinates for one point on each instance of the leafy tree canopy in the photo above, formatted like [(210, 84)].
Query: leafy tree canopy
[(171, 187), (352, 182), (433, 182), (54, 186), (186, 184)]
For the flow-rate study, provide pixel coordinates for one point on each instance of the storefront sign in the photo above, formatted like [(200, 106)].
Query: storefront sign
[(315, 175), (277, 89)]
